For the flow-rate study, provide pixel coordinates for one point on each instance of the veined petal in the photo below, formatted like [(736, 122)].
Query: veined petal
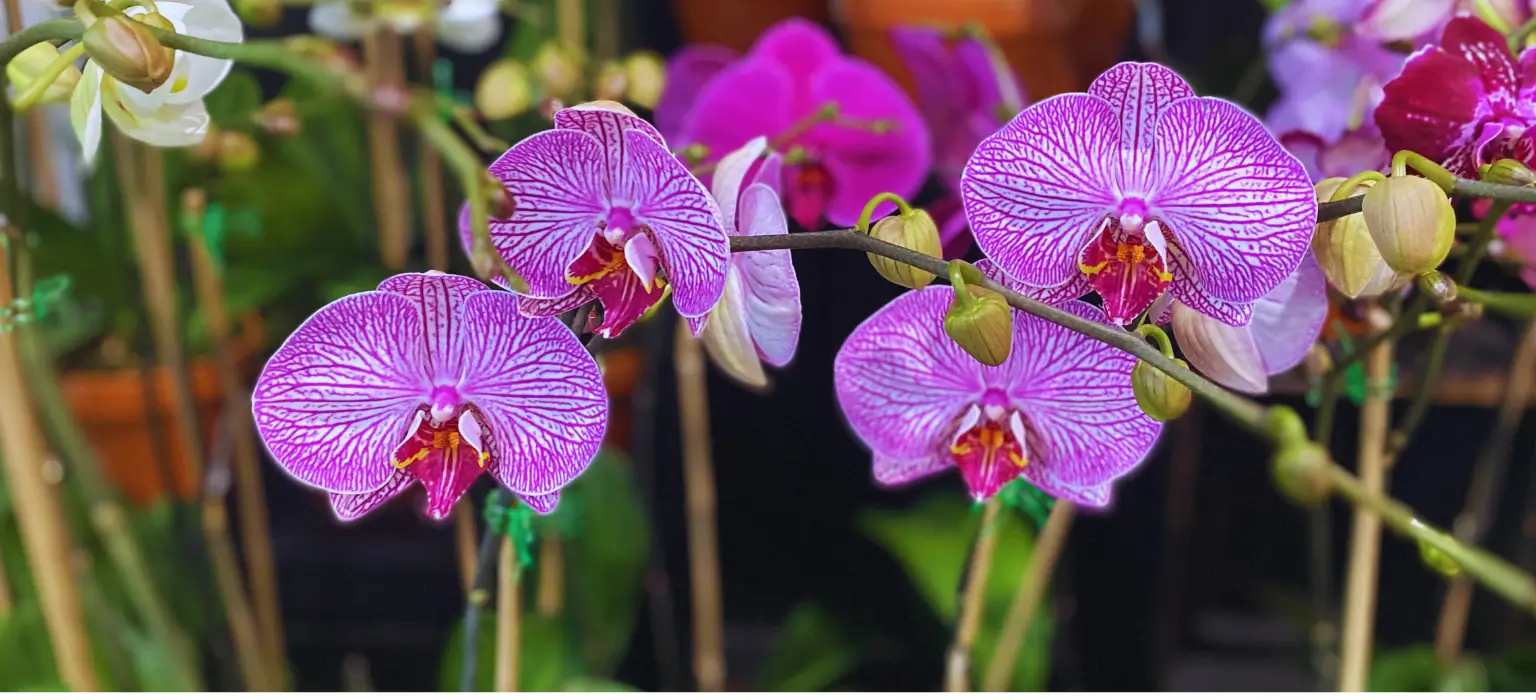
[(85, 111), (1433, 108), (728, 340), (1036, 191), (892, 472), (439, 298), (771, 173), (864, 163), (351, 506), (1238, 206), (902, 383), (730, 179), (771, 291), (1228, 355), (1488, 52), (1288, 320), (607, 122), (1096, 497), (543, 504), (1138, 92), (538, 391), (334, 401), (688, 71), (746, 100), (683, 218), (555, 180), (539, 308), (1075, 393), (1074, 288)]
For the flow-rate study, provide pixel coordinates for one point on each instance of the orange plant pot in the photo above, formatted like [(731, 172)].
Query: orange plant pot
[(736, 23)]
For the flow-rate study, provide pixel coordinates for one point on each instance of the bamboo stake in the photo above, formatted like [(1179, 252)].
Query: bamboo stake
[(699, 485), (261, 570), (957, 671), (1365, 540), (551, 575), (382, 58), (509, 606), (44, 536), (464, 542), (1487, 476), (242, 622), (434, 207), (571, 22), (1027, 597)]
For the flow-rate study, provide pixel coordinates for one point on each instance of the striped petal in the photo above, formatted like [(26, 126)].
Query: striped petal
[(891, 472), (728, 339), (538, 390), (439, 299), (730, 179), (351, 506), (1138, 92), (335, 400), (607, 122), (684, 219), (770, 289), (555, 181), (542, 504), (1074, 288), (539, 308)]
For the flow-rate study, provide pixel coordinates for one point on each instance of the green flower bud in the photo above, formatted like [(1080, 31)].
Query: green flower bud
[(31, 63), (504, 90), (1348, 255), (1438, 561), (1160, 396), (260, 13), (557, 69), (980, 322), (238, 152), (1412, 222), (647, 76), (127, 51), (913, 230), (1300, 471), (1508, 171)]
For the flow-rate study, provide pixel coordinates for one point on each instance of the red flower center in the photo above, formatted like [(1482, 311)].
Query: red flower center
[(1125, 268), (444, 460)]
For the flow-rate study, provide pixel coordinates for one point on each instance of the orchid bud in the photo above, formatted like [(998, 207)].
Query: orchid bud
[(611, 82), (504, 90), (1346, 252), (913, 230), (647, 77), (1412, 222), (238, 152), (1508, 171), (557, 68), (1438, 561), (260, 13), (1300, 470), (27, 66), (1318, 361), (980, 322), (279, 117), (1160, 396), (127, 51)]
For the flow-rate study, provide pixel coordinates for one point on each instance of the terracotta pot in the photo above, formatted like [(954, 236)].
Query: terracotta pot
[(736, 23), (621, 372), (1055, 46)]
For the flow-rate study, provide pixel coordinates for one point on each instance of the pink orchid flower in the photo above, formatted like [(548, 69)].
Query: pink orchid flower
[(432, 379), (1329, 75), (876, 141), (1356, 151), (1059, 412), (1141, 188), (688, 71)]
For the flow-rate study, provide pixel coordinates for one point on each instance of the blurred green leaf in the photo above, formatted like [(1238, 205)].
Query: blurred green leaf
[(25, 658), (1514, 670), (596, 685), (541, 655), (608, 545), (1411, 669), (234, 100), (811, 654)]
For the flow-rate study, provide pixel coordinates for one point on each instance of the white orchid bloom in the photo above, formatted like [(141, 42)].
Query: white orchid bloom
[(466, 26), (173, 114)]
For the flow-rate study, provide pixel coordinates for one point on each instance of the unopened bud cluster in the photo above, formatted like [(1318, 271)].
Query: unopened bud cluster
[(1347, 253)]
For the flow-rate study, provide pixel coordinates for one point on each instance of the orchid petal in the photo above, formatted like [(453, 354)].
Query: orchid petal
[(683, 218), (555, 181), (1186, 288), (744, 101), (1072, 290), (168, 126), (771, 173), (1138, 93), (770, 290), (1240, 208), (539, 391), (1488, 52), (730, 179), (334, 401), (1288, 320), (800, 46), (688, 71), (1403, 20), (85, 111), (640, 255), (891, 472), (213, 20), (1308, 148), (539, 308), (864, 163), (728, 339), (608, 122), (439, 298), (1228, 355), (1433, 108), (543, 504), (351, 506)]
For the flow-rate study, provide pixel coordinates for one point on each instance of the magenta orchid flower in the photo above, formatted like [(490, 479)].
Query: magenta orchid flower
[(1419, 21), (1463, 102), (758, 317), (431, 379), (876, 141), (1329, 76), (1059, 412), (688, 71), (1142, 188), (601, 210), (1354, 152), (1285, 324)]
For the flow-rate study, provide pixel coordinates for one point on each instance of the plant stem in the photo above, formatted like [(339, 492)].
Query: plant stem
[(382, 56), (509, 609), (551, 598), (957, 669), (699, 485), (1365, 542), (1027, 597), (242, 621), (464, 542), (479, 595), (1511, 304), (434, 207)]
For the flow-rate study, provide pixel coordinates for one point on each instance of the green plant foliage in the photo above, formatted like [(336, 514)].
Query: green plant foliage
[(812, 653), (542, 661), (25, 658)]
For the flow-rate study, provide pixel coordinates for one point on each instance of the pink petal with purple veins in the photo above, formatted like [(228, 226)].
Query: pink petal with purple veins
[(1037, 191), (439, 298), (335, 400), (890, 472), (1228, 355), (542, 504), (1072, 290), (1075, 394), (730, 179), (728, 339), (351, 506), (1187, 290), (747, 100), (861, 162), (1239, 207), (1096, 497), (540, 394), (555, 180), (606, 122), (1138, 92), (902, 383), (540, 308), (770, 173), (1308, 148), (1403, 20), (688, 71), (685, 221), (800, 46), (771, 292), (1433, 108)]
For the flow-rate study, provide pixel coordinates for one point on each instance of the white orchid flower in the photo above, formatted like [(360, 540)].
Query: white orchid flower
[(466, 26)]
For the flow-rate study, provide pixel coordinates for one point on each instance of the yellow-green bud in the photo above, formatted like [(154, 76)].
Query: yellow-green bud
[(1412, 222), (611, 82), (238, 152), (25, 68), (647, 76), (1438, 561), (913, 230), (1160, 396), (504, 90), (127, 51), (1508, 171), (1347, 254), (1300, 470), (1438, 287), (260, 13), (980, 322), (557, 68)]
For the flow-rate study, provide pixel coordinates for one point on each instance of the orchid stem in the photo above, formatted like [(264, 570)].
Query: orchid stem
[(1434, 172), (44, 79), (1157, 335), (1365, 542), (434, 207), (1026, 599), (1347, 188), (479, 595), (875, 202), (509, 613), (957, 669), (699, 485), (1512, 304), (382, 56), (464, 543)]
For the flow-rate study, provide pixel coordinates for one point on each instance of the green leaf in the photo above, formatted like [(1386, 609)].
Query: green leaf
[(1411, 669), (25, 658), (235, 99), (596, 685), (811, 654), (608, 544), (541, 655)]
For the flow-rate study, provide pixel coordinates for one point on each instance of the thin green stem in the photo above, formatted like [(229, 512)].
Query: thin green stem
[(1512, 304), (1434, 172), (44, 79), (876, 201)]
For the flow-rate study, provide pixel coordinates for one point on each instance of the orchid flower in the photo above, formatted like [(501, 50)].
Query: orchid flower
[(1463, 102), (601, 210), (1137, 188), (1354, 152), (758, 316), (170, 115), (688, 71), (1329, 76), (431, 379), (848, 131), (1418, 21), (1059, 412), (466, 26), (1285, 324)]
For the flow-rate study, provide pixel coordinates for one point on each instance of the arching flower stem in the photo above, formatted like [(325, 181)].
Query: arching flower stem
[(875, 202)]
